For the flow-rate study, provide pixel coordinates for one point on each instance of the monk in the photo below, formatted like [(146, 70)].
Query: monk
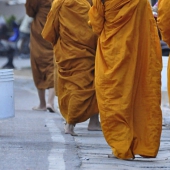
[(41, 53), (164, 28), (74, 44), (128, 76)]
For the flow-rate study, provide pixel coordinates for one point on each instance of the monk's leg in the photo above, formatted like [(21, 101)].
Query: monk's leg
[(42, 105), (69, 129), (94, 124), (111, 156), (50, 102), (10, 58)]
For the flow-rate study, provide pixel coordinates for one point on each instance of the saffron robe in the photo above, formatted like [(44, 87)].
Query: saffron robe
[(164, 27), (128, 76), (74, 45), (41, 51)]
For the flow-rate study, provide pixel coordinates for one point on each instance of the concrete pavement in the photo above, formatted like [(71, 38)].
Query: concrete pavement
[(87, 151)]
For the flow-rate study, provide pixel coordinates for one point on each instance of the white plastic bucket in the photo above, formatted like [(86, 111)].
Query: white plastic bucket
[(7, 94), (164, 73)]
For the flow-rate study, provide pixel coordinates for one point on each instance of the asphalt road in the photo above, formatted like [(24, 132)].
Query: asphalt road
[(34, 140)]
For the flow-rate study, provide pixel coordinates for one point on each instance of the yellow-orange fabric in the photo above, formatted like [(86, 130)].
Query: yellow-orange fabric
[(41, 51), (128, 76), (74, 45), (164, 27), (163, 18)]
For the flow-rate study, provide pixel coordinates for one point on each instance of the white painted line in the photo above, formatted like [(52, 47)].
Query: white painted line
[(55, 158)]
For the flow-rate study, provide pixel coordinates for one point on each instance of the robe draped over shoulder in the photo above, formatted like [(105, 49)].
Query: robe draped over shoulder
[(41, 51), (128, 76), (74, 44)]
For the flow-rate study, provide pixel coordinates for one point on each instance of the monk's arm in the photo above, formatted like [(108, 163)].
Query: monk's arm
[(96, 16), (51, 28)]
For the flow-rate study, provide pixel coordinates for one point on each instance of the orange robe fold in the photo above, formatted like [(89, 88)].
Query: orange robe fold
[(164, 27), (128, 76), (74, 45), (41, 51)]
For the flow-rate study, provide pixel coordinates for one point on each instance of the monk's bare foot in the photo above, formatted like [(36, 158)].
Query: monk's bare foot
[(94, 127), (94, 124), (111, 156), (50, 108), (38, 108), (69, 129), (144, 156)]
